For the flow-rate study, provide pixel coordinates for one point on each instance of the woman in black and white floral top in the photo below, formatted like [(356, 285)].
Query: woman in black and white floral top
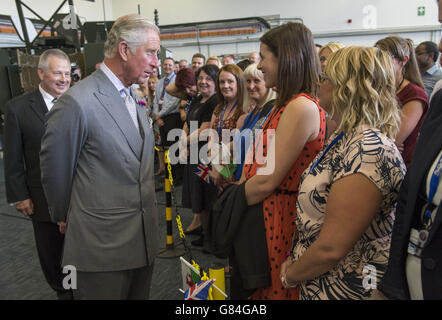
[(347, 196)]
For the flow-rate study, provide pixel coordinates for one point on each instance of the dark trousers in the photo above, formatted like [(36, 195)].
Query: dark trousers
[(171, 121), (49, 242), (114, 285)]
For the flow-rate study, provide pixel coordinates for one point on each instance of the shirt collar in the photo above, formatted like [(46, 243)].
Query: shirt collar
[(432, 70), (46, 96), (112, 77), (170, 76)]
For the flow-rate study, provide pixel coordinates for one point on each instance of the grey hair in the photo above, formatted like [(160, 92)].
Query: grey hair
[(43, 62), (252, 71), (128, 28)]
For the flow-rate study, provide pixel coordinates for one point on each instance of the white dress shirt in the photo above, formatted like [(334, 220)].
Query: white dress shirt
[(122, 90), (49, 99)]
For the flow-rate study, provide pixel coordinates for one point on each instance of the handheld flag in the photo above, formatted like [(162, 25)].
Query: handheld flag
[(222, 161), (202, 171), (190, 275), (199, 291)]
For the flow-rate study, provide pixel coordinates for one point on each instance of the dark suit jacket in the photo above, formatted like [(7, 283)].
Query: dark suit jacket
[(238, 229), (24, 128), (394, 284)]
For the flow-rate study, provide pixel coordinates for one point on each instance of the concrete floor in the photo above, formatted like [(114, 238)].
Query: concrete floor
[(21, 277)]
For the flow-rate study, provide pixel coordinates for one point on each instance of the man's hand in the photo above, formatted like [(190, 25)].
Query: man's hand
[(26, 207), (62, 227)]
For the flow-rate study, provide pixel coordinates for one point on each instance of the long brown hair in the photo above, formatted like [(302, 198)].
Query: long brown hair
[(298, 64), (240, 86), (399, 47)]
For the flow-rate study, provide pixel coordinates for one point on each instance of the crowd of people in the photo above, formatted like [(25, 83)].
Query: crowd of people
[(314, 169)]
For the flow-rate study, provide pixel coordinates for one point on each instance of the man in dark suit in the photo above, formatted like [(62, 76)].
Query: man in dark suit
[(24, 127), (415, 262), (97, 161)]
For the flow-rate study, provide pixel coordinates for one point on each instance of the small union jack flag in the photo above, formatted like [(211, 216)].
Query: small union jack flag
[(202, 171), (199, 291)]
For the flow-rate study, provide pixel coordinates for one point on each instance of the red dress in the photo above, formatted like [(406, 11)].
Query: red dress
[(409, 93), (280, 207)]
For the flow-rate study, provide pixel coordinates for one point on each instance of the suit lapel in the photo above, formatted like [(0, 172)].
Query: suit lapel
[(420, 173), (147, 133), (38, 105), (111, 100)]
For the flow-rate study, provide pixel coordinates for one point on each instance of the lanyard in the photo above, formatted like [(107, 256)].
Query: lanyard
[(263, 120), (250, 121), (188, 103), (274, 112), (221, 121), (335, 140), (434, 182)]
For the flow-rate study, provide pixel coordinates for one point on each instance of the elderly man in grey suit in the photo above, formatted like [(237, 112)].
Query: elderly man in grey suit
[(97, 161)]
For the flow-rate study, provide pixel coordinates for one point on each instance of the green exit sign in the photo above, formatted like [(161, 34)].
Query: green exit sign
[(420, 11)]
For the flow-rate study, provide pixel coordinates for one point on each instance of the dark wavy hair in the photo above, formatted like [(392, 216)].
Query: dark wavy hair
[(210, 69), (243, 64), (185, 78), (298, 63)]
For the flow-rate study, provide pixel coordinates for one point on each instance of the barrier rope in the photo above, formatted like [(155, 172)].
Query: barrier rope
[(187, 249)]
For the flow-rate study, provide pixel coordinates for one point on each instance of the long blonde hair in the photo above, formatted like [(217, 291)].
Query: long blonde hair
[(150, 93), (365, 90), (332, 46)]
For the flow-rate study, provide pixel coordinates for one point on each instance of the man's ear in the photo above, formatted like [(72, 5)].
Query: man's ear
[(431, 56), (40, 73), (123, 50)]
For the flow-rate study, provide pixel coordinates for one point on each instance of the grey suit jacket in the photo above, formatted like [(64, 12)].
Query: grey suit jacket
[(97, 174)]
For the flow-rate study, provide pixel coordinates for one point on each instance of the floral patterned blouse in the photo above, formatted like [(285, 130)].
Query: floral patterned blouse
[(369, 152)]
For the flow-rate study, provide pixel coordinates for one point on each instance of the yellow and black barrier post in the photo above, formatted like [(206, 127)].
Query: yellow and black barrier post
[(216, 271), (169, 237), (170, 251)]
